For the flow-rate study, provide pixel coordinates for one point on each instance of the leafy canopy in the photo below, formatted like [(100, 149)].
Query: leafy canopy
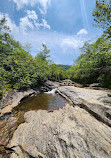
[(18, 69), (102, 15), (95, 64)]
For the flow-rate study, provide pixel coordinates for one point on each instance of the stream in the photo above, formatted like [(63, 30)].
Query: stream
[(44, 101)]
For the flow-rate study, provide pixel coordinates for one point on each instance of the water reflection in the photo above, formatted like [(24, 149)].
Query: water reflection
[(10, 123), (41, 101)]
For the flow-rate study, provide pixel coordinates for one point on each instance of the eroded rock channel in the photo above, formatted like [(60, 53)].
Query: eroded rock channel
[(10, 122), (79, 129)]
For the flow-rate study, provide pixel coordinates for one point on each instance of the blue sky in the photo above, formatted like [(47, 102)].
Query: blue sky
[(63, 25)]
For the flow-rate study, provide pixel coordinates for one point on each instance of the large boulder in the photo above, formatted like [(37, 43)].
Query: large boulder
[(96, 102), (68, 82), (70, 132), (49, 85), (13, 97), (94, 85)]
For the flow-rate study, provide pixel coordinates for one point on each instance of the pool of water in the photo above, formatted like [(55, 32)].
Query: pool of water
[(41, 101), (45, 101)]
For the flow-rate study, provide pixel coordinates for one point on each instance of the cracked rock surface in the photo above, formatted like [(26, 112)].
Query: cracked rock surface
[(71, 132), (96, 102)]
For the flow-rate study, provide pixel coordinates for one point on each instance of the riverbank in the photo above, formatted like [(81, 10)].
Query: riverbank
[(82, 130), (88, 113), (10, 100), (29, 100), (13, 98), (96, 102)]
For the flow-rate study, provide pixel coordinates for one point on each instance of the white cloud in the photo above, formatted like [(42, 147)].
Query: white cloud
[(31, 14), (82, 32), (21, 3), (29, 21), (41, 11), (74, 42), (44, 3), (56, 42), (71, 42), (44, 24), (25, 23)]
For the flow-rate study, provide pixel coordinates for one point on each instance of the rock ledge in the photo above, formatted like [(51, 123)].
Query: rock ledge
[(70, 132)]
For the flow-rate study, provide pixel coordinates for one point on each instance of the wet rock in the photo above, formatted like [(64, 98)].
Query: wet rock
[(12, 97), (70, 132), (49, 85), (7, 128), (94, 85), (78, 85), (11, 100), (96, 102)]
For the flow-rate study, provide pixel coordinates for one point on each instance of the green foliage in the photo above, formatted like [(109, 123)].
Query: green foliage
[(18, 69), (95, 64), (42, 64), (3, 26), (102, 15), (48, 69), (56, 72), (65, 67), (43, 55)]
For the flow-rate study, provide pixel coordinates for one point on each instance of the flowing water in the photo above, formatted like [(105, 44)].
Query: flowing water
[(44, 101)]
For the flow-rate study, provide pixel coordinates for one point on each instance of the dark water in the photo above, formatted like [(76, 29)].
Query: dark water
[(41, 101), (11, 122)]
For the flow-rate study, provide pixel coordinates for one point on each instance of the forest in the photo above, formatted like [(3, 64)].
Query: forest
[(19, 70), (94, 64)]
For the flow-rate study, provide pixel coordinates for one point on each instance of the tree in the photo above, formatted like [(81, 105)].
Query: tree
[(27, 47), (16, 65), (95, 64), (42, 67), (18, 69), (55, 72), (102, 15), (3, 25), (44, 54)]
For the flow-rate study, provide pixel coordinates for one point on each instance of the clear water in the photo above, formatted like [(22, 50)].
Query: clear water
[(45, 101)]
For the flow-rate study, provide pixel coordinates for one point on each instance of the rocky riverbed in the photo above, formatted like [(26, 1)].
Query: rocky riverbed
[(80, 129), (10, 118), (96, 102), (12, 98)]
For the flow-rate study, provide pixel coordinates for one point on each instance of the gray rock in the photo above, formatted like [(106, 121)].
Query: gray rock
[(49, 85), (97, 102), (94, 85), (68, 82), (12, 99), (70, 132)]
